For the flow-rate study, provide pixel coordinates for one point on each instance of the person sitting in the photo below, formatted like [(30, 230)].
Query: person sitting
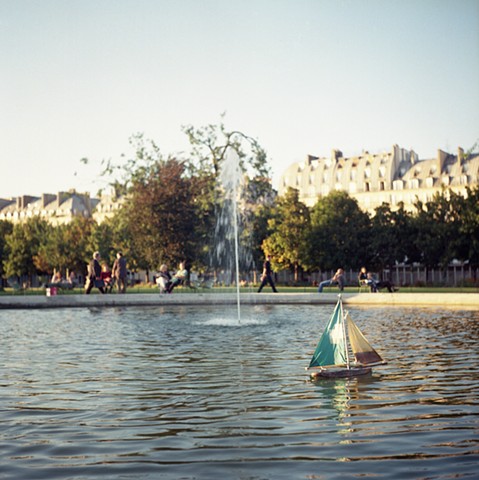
[(56, 279), (371, 282), (377, 285), (163, 280), (338, 279), (179, 277), (72, 279), (363, 277)]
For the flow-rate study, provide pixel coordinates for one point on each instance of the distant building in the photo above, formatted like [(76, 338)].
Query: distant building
[(388, 177), (58, 209)]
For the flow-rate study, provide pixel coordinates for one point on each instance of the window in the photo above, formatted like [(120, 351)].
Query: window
[(398, 185)]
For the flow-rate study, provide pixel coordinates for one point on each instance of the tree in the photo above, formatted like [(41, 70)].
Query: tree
[(210, 145), (23, 245), (102, 239), (6, 228), (162, 215), (466, 245), (437, 231), (287, 242), (257, 230), (66, 248), (339, 233), (390, 238)]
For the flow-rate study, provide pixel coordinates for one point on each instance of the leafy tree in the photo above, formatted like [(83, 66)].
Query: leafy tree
[(390, 239), (437, 230), (287, 242), (258, 230), (466, 245), (121, 240), (102, 239), (197, 180), (66, 247), (210, 145), (339, 233), (77, 238), (6, 228), (23, 245), (162, 215)]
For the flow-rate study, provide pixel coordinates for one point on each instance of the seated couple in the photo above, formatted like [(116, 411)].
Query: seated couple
[(166, 282), (338, 279), (366, 278)]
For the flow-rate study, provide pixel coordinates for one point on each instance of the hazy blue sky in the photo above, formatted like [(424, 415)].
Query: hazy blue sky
[(80, 77)]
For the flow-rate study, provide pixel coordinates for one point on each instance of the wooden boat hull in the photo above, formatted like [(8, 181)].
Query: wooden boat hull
[(339, 372)]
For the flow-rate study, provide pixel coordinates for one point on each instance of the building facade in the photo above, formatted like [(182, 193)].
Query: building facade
[(59, 208), (389, 177)]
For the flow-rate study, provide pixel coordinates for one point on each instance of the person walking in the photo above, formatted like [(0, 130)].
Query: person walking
[(119, 272), (267, 275), (94, 274)]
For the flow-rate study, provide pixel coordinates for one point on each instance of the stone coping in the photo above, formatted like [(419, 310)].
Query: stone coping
[(439, 300)]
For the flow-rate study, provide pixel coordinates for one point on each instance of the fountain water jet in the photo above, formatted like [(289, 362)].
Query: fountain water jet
[(227, 225)]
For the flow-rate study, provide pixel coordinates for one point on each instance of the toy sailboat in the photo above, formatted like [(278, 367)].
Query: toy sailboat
[(332, 355)]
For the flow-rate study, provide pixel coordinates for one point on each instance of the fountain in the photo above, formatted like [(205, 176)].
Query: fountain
[(227, 231)]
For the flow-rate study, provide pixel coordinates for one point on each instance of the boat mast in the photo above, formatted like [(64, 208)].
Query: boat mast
[(344, 333)]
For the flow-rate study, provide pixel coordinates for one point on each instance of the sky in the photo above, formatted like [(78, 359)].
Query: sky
[(79, 78)]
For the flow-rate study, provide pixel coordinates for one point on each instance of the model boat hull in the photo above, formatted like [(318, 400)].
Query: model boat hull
[(339, 372)]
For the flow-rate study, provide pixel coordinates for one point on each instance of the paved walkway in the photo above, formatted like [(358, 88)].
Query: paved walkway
[(446, 300)]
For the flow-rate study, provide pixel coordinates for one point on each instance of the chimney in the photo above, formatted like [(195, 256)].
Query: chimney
[(61, 197), (441, 158), (336, 154), (47, 198)]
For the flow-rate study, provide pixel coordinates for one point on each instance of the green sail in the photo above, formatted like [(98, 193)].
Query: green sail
[(331, 349)]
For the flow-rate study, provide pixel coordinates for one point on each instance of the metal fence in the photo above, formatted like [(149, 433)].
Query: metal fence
[(400, 275)]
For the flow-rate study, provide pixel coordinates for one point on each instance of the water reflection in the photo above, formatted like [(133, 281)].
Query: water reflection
[(176, 393)]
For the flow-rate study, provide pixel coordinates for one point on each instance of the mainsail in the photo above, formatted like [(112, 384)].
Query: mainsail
[(331, 349), (362, 350)]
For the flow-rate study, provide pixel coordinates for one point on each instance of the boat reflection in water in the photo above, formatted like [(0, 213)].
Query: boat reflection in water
[(172, 392)]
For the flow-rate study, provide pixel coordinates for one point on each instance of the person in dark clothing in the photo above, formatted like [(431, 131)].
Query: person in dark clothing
[(94, 274), (377, 285), (119, 272), (267, 275)]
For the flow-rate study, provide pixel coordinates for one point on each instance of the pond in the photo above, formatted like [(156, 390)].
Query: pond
[(193, 393)]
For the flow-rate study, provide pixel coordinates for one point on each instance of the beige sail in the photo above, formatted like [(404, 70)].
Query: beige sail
[(362, 350)]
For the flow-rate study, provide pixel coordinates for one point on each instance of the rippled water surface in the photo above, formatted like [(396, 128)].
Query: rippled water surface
[(191, 393)]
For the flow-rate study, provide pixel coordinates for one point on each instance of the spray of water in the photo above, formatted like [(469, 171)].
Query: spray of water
[(227, 225)]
